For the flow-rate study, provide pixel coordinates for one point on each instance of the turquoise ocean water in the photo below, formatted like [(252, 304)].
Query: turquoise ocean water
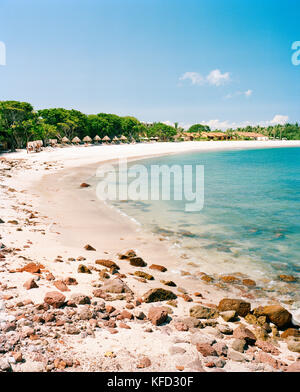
[(250, 222)]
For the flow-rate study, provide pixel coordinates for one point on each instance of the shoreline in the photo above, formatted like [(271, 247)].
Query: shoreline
[(59, 227)]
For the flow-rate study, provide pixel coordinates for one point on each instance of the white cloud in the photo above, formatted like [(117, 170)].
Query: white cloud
[(279, 119), (215, 78), (224, 125), (194, 77), (246, 94)]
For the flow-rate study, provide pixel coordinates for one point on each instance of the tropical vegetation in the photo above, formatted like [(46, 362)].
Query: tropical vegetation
[(20, 123)]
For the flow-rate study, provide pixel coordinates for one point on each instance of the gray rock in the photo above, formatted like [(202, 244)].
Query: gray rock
[(225, 329), (236, 356), (116, 286), (5, 365), (85, 314), (176, 350), (202, 312), (294, 346), (139, 314), (213, 331), (220, 363), (238, 345), (200, 338), (80, 299), (228, 315), (221, 348), (195, 366), (190, 322), (72, 330)]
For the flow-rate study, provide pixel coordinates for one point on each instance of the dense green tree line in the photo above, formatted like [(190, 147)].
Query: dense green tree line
[(20, 123)]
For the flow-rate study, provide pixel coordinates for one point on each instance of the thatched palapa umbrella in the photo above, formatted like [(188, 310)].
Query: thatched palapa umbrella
[(76, 140), (123, 138), (65, 140), (87, 139), (97, 138), (106, 139)]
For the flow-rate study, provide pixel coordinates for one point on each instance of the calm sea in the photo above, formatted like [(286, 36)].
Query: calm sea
[(250, 222)]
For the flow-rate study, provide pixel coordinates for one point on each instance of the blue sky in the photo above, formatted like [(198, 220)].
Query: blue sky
[(220, 62)]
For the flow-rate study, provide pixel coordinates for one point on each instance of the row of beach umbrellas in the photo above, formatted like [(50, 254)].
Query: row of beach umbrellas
[(88, 139)]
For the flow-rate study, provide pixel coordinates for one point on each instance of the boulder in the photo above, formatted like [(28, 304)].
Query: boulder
[(60, 285), (290, 332), (55, 299), (239, 345), (116, 286), (144, 275), (30, 284), (137, 262), (236, 356), (80, 299), (202, 312), (229, 279), (157, 267), (242, 332), (157, 315), (159, 294), (228, 315), (168, 283), (267, 347), (98, 293), (127, 255), (287, 278), (107, 263), (32, 268), (206, 349), (189, 322), (126, 315), (275, 313), (225, 329), (221, 348), (82, 269), (70, 281), (143, 363), (294, 367), (249, 282), (262, 357), (89, 247), (84, 185), (241, 307), (294, 346)]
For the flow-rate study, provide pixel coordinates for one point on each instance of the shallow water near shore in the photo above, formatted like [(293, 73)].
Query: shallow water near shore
[(250, 223)]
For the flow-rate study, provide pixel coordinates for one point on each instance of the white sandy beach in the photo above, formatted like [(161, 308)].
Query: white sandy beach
[(47, 185)]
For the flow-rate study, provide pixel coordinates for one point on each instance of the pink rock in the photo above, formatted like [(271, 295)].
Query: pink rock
[(30, 284), (294, 367), (206, 349), (55, 299), (181, 327), (60, 285), (267, 347), (143, 363), (263, 357), (157, 315), (125, 314), (70, 281), (244, 333), (125, 326), (221, 348)]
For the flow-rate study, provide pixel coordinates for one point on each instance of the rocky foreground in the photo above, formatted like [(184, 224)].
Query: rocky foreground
[(78, 312)]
